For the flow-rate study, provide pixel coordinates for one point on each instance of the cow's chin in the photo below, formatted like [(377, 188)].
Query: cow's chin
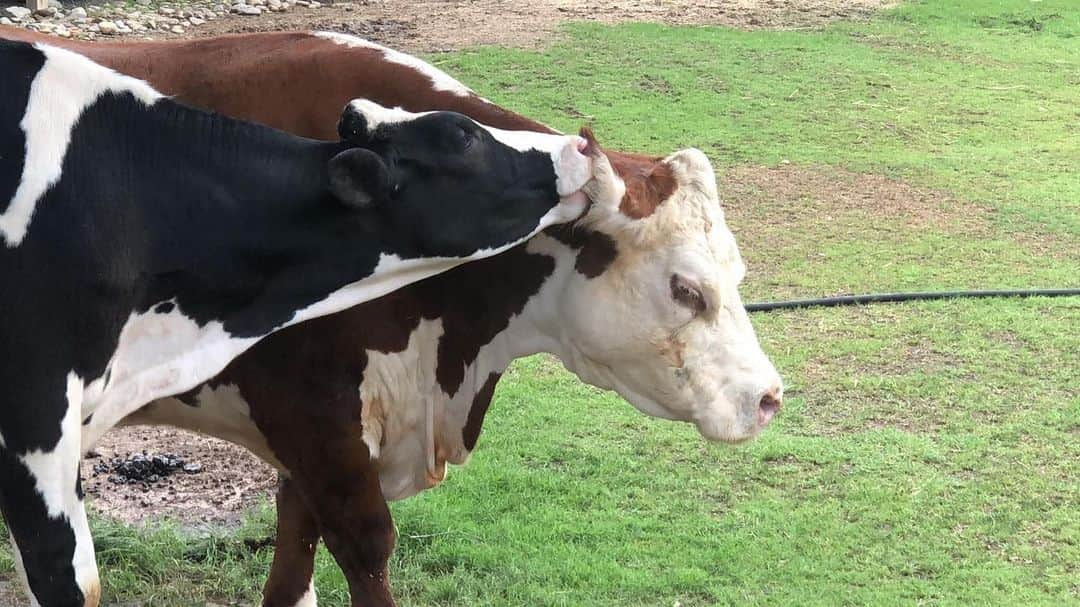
[(722, 427)]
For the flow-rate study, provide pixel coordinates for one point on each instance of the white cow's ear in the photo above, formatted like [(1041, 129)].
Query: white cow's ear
[(605, 190), (359, 178)]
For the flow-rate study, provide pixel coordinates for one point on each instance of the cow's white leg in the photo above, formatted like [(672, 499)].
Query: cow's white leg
[(43, 507)]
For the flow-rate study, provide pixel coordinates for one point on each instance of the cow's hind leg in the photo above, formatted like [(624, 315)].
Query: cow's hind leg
[(41, 500), (291, 581)]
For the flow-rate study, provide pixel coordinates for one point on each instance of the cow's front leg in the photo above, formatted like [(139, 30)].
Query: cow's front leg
[(41, 500), (320, 442), (343, 493), (291, 581)]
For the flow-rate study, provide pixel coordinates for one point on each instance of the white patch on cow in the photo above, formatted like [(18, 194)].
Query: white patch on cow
[(439, 79), (308, 600), (64, 87), (375, 114), (412, 427), (159, 354), (219, 411), (572, 169), (56, 475), (397, 390)]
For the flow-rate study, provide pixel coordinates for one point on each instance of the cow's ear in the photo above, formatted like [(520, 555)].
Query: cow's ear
[(359, 178)]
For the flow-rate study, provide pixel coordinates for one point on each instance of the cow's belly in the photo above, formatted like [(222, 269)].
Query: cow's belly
[(218, 411)]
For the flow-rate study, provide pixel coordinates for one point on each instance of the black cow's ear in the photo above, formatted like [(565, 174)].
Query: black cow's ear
[(359, 178), (353, 126)]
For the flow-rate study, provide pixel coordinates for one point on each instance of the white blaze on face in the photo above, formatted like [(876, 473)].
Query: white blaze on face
[(572, 168), (65, 86), (667, 358)]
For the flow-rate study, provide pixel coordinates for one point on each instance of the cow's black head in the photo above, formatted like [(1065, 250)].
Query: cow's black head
[(455, 186)]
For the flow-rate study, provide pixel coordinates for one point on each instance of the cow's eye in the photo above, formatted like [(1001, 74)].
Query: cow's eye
[(466, 138), (687, 294)]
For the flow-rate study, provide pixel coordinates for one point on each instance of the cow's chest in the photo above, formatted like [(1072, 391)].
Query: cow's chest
[(411, 426)]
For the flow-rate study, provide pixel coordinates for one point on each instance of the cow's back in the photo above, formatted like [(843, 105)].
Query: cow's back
[(294, 81)]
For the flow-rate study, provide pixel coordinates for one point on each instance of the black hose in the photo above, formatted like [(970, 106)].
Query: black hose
[(852, 300)]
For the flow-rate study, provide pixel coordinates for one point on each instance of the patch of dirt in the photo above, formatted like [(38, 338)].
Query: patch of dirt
[(818, 193), (220, 482), (781, 204), (441, 25)]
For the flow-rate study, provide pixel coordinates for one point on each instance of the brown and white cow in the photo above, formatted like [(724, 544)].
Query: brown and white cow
[(639, 296)]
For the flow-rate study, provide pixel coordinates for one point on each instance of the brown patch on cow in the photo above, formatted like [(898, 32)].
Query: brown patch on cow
[(303, 91), (476, 302), (649, 182), (481, 401), (592, 148), (672, 350), (294, 552), (93, 595), (311, 418), (596, 250)]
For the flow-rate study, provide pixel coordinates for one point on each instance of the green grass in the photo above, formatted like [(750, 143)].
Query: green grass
[(927, 454)]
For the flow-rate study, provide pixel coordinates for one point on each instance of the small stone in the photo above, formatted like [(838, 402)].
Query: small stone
[(17, 13), (45, 28), (193, 468), (6, 21), (108, 28), (177, 29), (167, 11), (48, 11), (77, 13), (123, 29), (56, 4), (257, 2), (244, 9), (196, 21)]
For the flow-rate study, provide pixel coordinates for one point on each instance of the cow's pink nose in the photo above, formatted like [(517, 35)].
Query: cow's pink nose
[(769, 405)]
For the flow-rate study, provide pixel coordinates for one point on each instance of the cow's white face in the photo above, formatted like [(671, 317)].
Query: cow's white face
[(664, 325)]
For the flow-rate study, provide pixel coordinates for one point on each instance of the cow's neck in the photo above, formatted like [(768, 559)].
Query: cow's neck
[(424, 404)]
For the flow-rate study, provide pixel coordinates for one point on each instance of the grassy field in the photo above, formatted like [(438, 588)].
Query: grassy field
[(928, 454)]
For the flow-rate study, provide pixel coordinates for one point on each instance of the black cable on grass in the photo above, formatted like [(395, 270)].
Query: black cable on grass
[(854, 300)]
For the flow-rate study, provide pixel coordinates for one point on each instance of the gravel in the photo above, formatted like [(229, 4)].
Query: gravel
[(141, 18)]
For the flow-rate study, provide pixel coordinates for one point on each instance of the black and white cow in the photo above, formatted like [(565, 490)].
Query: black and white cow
[(146, 244)]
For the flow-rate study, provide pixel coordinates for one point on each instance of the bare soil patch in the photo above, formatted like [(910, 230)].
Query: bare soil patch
[(228, 482), (441, 25)]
